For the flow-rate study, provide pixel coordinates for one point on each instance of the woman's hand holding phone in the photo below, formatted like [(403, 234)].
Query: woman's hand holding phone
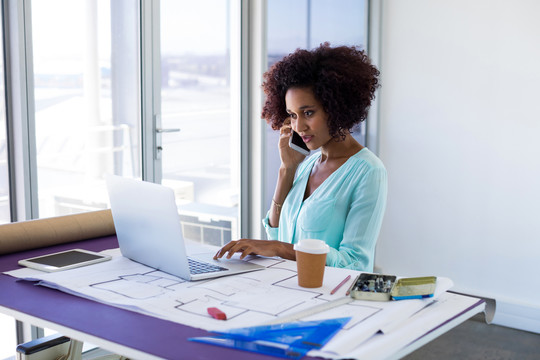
[(290, 158)]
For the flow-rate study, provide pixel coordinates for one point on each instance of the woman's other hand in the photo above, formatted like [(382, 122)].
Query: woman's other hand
[(257, 247)]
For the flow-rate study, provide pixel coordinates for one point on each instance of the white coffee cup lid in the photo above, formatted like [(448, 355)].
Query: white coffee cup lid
[(312, 246)]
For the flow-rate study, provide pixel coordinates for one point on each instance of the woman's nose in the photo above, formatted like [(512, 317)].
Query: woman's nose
[(300, 124)]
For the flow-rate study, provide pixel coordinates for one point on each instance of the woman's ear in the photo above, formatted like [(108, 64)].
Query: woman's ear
[(287, 121)]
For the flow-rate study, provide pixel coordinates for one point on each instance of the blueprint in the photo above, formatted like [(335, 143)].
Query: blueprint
[(247, 299)]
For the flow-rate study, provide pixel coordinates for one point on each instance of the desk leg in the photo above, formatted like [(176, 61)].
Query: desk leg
[(74, 352)]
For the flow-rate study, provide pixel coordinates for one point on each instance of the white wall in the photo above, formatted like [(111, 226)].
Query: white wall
[(460, 137)]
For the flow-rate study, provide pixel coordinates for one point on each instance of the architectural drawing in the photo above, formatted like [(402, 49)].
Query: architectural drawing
[(247, 299)]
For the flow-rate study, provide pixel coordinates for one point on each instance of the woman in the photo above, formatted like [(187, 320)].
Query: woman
[(338, 194)]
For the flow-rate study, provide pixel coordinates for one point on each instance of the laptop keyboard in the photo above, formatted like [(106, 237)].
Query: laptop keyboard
[(199, 267)]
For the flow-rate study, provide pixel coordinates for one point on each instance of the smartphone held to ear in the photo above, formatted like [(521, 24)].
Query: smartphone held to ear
[(296, 143)]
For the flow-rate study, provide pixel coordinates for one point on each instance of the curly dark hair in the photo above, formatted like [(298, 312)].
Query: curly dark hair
[(342, 79)]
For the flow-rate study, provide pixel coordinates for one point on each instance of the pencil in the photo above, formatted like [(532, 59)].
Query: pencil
[(352, 286), (340, 285)]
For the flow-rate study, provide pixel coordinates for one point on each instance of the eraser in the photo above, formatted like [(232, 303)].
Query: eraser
[(216, 313)]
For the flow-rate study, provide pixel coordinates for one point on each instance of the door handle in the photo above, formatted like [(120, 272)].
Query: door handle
[(159, 148), (167, 130)]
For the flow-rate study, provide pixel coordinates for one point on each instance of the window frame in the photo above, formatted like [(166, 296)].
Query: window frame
[(19, 84)]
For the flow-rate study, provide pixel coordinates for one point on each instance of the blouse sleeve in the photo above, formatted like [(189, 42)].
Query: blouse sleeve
[(272, 233), (363, 223)]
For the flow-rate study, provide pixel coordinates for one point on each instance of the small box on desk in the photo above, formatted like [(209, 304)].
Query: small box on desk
[(379, 287)]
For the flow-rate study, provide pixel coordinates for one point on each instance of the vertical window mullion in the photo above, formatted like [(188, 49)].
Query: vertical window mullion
[(19, 97), (150, 88), (373, 21), (20, 110), (253, 139)]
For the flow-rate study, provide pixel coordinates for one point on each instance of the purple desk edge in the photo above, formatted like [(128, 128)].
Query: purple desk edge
[(150, 335)]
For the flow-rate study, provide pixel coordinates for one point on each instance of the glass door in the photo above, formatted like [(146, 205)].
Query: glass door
[(88, 113), (200, 114), (88, 108), (87, 100)]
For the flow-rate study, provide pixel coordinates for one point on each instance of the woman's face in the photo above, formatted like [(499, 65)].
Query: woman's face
[(308, 117)]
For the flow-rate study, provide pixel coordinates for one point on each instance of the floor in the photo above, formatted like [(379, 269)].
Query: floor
[(474, 339)]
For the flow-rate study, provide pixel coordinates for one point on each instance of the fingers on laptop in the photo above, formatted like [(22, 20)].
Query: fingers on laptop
[(234, 247)]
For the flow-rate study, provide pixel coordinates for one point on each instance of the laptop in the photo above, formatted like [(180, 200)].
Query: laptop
[(148, 229)]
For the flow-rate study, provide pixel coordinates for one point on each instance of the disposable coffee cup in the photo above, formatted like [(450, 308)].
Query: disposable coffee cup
[(310, 262)]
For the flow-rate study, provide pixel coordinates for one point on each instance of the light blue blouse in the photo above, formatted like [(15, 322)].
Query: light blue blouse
[(345, 211)]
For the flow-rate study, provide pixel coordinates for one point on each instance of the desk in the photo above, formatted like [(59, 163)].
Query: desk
[(124, 332)]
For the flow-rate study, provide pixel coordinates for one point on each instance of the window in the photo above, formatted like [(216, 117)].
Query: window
[(339, 22), (87, 107), (200, 97)]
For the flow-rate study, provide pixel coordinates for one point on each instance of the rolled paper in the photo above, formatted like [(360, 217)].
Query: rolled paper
[(32, 234)]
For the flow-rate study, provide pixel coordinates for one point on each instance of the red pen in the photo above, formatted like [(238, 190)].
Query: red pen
[(216, 313)]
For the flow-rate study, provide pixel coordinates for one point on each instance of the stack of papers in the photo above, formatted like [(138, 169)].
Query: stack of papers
[(256, 298)]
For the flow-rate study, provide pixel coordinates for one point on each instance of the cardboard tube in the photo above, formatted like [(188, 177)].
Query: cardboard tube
[(32, 234)]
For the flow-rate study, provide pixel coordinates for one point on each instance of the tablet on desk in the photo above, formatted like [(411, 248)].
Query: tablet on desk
[(64, 260)]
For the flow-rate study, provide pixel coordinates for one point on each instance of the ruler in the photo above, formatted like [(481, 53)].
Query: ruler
[(310, 311)]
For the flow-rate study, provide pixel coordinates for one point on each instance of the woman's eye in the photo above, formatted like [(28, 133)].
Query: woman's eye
[(293, 116), (308, 113)]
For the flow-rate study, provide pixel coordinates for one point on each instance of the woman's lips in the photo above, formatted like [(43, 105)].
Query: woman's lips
[(307, 138)]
